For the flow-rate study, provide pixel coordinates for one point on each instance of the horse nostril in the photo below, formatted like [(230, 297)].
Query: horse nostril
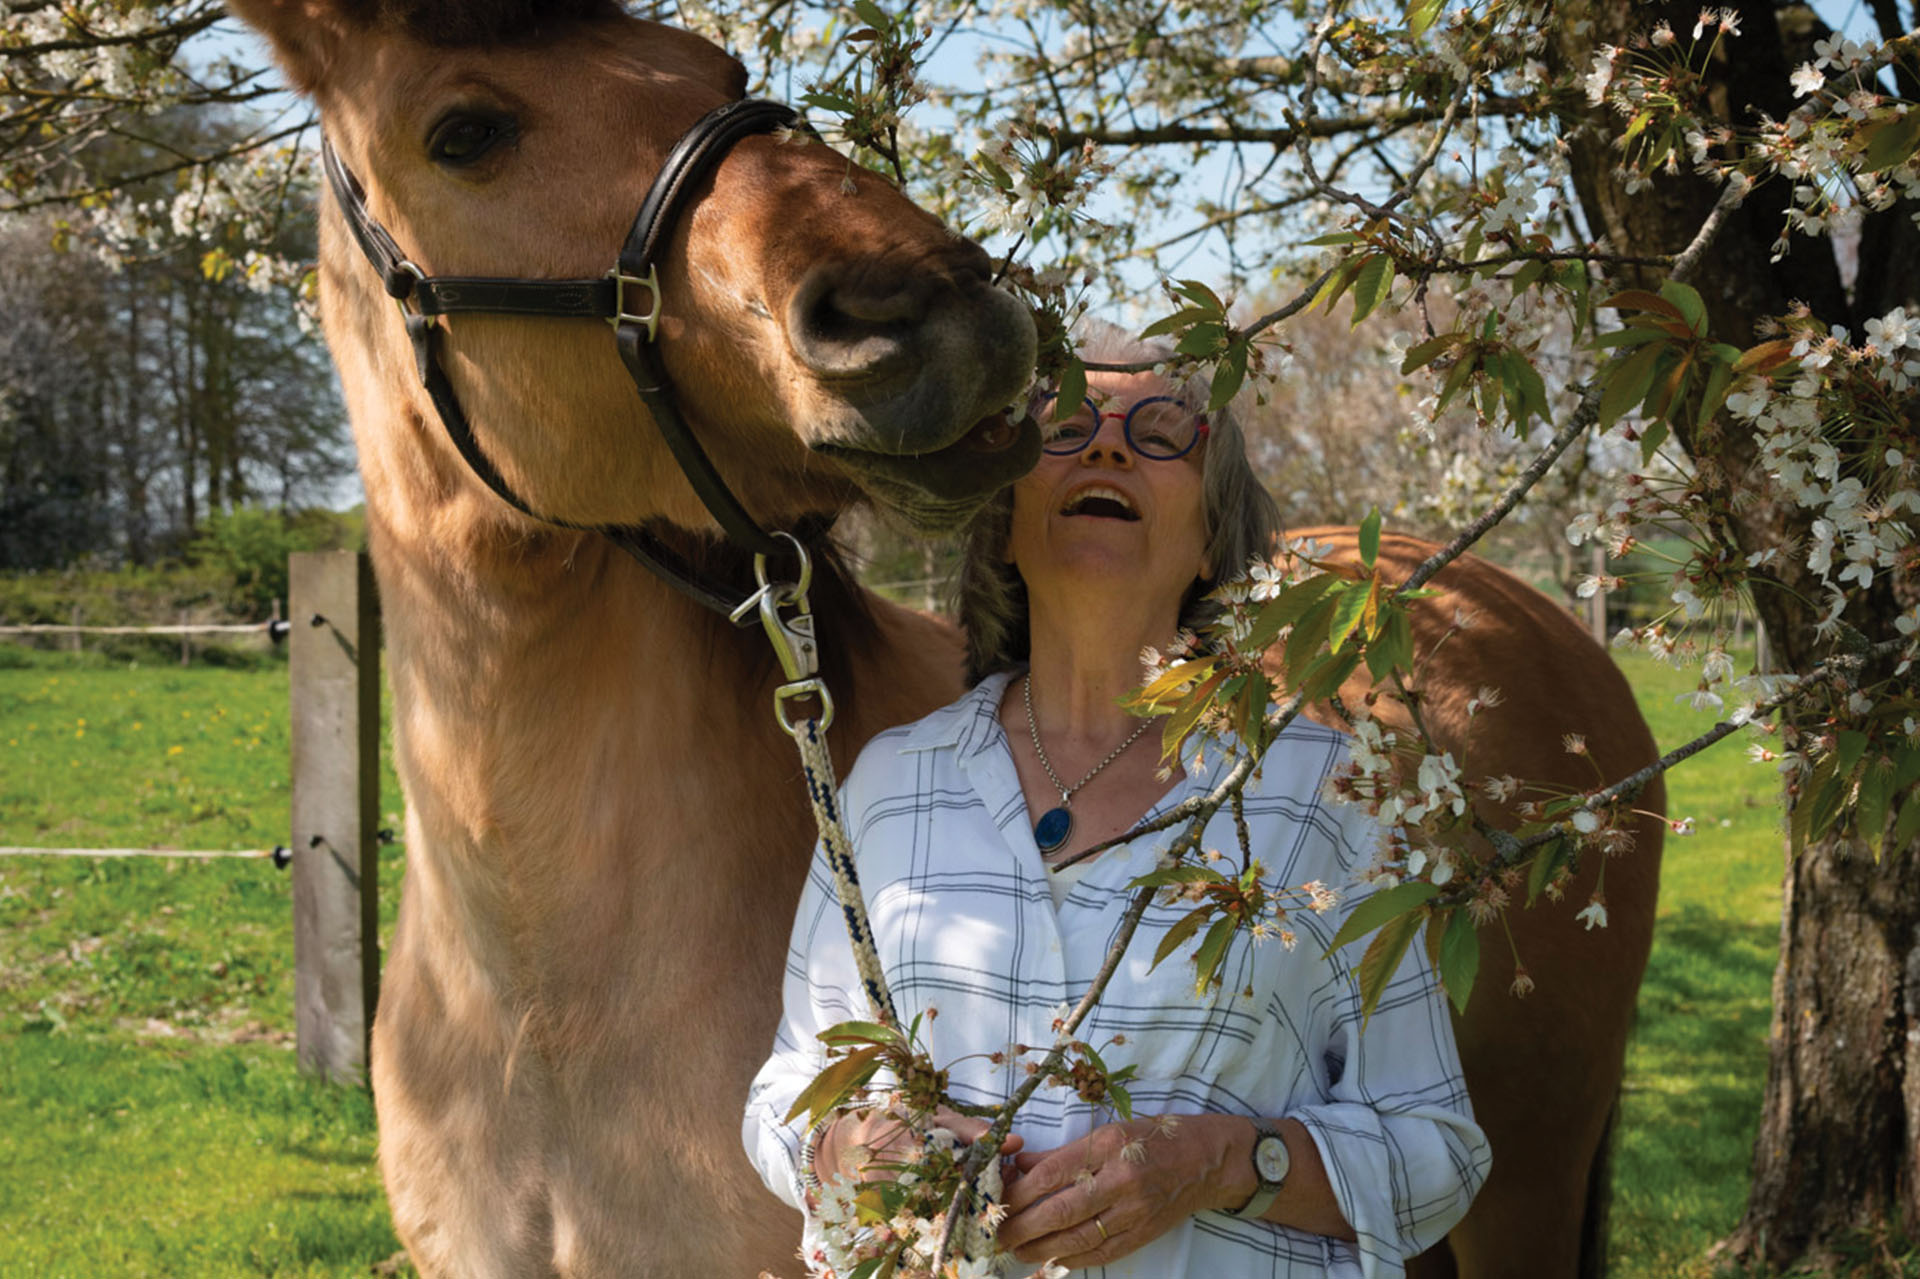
[(854, 320)]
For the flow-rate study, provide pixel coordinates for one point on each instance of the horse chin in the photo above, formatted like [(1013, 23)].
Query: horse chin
[(938, 492)]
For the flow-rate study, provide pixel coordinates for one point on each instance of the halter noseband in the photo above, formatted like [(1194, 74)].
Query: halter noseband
[(612, 297)]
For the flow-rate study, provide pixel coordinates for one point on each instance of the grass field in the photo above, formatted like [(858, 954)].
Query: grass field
[(152, 1122)]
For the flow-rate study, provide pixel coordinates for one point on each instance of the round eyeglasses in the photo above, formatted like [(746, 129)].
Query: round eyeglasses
[(1159, 427)]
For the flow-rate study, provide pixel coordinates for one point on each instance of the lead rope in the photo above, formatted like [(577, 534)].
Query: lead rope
[(791, 634), (794, 643)]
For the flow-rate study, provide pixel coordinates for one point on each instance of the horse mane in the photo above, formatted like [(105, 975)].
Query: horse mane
[(458, 23)]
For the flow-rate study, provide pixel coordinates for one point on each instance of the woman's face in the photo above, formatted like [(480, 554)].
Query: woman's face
[(1109, 516)]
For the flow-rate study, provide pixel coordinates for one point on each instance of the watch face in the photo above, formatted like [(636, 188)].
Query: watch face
[(1270, 1160)]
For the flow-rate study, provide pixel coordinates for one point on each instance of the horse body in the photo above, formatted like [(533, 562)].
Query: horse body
[(1543, 1070), (606, 831)]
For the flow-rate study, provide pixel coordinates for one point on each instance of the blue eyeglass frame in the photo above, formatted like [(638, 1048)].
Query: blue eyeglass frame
[(1045, 399)]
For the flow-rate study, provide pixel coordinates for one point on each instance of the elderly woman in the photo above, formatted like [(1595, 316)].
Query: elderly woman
[(1271, 1136)]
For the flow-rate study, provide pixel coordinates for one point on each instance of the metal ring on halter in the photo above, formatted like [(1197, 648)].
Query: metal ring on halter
[(799, 592), (814, 687)]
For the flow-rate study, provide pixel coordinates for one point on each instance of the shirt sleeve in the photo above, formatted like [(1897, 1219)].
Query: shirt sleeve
[(1396, 1131), (821, 989)]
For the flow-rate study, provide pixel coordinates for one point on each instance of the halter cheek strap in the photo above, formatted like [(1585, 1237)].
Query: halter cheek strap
[(616, 298)]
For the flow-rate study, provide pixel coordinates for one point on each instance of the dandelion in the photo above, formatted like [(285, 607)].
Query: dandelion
[(176, 750)]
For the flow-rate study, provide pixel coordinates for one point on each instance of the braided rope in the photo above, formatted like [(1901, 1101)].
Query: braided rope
[(823, 790)]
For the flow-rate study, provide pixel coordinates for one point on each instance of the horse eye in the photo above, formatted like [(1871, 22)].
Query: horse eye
[(462, 138)]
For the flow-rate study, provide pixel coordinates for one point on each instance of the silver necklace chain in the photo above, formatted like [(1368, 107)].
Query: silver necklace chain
[(1066, 791)]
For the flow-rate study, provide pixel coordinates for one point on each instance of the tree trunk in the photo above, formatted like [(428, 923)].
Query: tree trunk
[(1836, 1161)]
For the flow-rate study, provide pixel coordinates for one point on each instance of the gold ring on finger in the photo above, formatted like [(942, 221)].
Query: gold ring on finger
[(1102, 1229)]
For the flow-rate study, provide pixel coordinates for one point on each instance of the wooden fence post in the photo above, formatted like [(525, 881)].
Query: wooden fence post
[(334, 659)]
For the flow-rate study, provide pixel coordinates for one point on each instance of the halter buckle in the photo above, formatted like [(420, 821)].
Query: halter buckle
[(651, 283)]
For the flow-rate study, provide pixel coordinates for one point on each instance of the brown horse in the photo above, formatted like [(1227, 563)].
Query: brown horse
[(1543, 1071), (606, 832)]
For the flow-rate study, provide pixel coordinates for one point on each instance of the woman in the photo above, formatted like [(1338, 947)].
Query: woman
[(1299, 1147)]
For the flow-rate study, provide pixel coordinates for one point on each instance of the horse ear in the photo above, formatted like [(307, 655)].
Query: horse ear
[(307, 35)]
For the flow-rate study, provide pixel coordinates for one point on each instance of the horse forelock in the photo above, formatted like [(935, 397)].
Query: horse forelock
[(464, 23)]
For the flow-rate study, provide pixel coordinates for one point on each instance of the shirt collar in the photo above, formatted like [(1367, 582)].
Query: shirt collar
[(968, 724)]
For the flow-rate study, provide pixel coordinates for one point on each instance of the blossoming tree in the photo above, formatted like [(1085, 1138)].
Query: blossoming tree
[(1719, 206)]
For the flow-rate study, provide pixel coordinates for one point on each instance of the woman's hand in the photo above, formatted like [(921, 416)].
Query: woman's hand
[(854, 1142), (1117, 1189)]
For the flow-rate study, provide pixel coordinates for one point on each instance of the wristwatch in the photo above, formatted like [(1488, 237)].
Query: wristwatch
[(1270, 1164)]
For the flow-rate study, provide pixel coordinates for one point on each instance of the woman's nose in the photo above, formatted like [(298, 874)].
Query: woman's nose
[(1109, 445)]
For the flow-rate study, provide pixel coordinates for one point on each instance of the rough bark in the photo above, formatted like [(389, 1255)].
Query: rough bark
[(1836, 1161)]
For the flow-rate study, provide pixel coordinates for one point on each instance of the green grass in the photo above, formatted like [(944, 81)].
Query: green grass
[(1698, 1056), (152, 1121)]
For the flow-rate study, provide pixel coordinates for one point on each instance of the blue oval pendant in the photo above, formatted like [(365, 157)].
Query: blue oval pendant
[(1051, 831)]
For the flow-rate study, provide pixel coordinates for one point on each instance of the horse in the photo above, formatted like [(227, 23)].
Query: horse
[(606, 829), (1543, 1070)]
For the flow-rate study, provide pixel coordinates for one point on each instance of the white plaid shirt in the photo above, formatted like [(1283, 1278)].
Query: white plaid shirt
[(964, 923)]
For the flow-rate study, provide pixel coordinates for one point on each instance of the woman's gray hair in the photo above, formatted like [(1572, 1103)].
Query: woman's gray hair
[(990, 600)]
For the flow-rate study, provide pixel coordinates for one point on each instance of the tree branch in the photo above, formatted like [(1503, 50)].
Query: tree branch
[(182, 29)]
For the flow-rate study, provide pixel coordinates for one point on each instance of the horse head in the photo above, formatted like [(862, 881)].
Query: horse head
[(822, 333)]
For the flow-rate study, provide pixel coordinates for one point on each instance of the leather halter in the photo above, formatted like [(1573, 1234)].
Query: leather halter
[(612, 297)]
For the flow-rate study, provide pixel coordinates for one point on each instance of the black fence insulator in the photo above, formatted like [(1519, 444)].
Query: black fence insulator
[(282, 857)]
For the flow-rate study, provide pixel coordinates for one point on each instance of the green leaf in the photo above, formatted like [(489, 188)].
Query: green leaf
[(1907, 825), (1199, 294), (1178, 320), (1122, 1100), (1393, 647), (1336, 284), (1327, 675), (1212, 950), (1180, 932), (1718, 383), (1889, 143), (1460, 959), (1692, 309), (1183, 874), (1422, 14), (1371, 284), (1370, 537), (832, 1086), (829, 101), (1626, 382), (1650, 441), (1848, 747), (869, 1268), (1382, 960), (1228, 377), (1347, 611), (1533, 390), (1641, 300), (1546, 864), (1284, 608), (1906, 767), (1310, 632), (1073, 389), (1328, 241), (1202, 339), (1418, 357), (872, 14), (859, 1032), (1870, 811), (1378, 908), (1463, 368), (1632, 335)]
